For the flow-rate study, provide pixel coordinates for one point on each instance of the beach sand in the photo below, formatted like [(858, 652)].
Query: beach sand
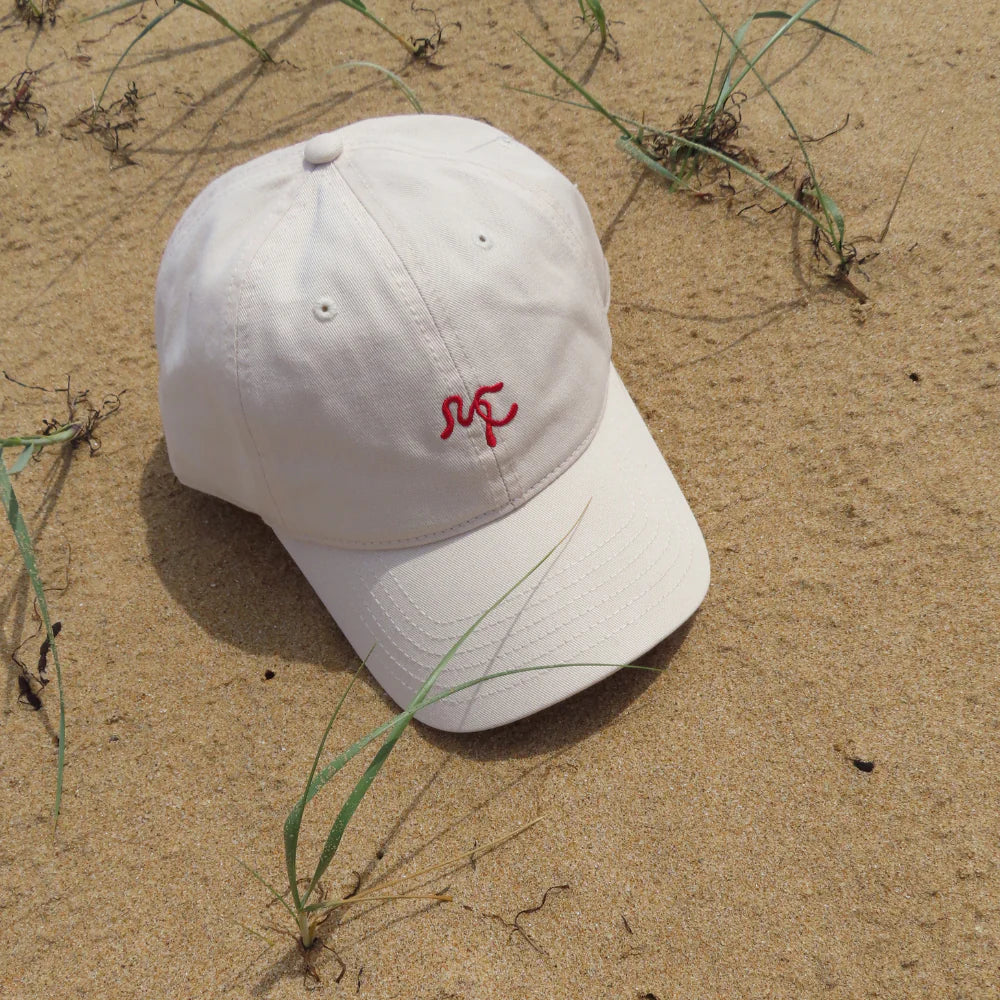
[(707, 831)]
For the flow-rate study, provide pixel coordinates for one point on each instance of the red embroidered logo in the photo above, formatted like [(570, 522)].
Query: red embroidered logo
[(480, 407)]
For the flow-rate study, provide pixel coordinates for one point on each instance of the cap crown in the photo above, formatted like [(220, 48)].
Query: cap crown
[(345, 327)]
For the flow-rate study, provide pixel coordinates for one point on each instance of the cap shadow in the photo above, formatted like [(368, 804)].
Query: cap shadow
[(230, 573)]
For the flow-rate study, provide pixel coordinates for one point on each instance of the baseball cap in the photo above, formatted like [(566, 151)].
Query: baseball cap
[(391, 342)]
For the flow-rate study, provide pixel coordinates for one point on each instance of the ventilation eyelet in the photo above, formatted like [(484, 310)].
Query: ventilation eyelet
[(324, 310), (483, 241)]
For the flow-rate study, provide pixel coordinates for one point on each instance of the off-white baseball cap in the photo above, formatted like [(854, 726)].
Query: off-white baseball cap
[(391, 343)]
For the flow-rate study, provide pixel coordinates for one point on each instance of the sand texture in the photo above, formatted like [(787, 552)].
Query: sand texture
[(707, 834)]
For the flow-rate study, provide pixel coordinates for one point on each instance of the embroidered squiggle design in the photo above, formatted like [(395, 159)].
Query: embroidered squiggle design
[(480, 407)]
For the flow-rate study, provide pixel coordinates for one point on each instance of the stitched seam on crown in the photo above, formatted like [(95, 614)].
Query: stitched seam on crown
[(234, 300), (561, 221), (481, 458), (564, 224), (410, 293)]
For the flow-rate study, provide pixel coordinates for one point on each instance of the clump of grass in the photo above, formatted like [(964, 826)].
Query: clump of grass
[(82, 419), (307, 908), (109, 124), (15, 98), (709, 132)]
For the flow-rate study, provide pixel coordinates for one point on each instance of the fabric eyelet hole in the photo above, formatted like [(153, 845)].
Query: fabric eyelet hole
[(483, 241), (324, 310)]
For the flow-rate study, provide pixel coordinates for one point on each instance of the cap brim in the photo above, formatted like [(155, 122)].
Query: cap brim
[(633, 570)]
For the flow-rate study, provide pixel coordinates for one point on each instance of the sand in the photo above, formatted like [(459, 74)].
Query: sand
[(707, 826)]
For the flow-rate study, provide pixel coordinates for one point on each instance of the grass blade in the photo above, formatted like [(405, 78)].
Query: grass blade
[(592, 13), (726, 91), (365, 12), (22, 460), (202, 6), (636, 151), (833, 224), (899, 194), (833, 213), (592, 101), (294, 821), (23, 538), (382, 887), (145, 31), (751, 63), (410, 95), (819, 25), (270, 888), (208, 9)]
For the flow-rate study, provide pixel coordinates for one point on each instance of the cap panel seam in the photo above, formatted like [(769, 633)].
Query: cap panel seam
[(234, 302), (204, 201), (362, 215), (359, 179), (565, 226)]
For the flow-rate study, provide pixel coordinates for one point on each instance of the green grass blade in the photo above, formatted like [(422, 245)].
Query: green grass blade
[(294, 821), (592, 13), (112, 10), (748, 172), (145, 31), (65, 433), (22, 460), (561, 100), (638, 153), (365, 12), (751, 63), (727, 88), (819, 25), (270, 888), (830, 223), (23, 538), (899, 194), (395, 78), (349, 807), (346, 756), (833, 213), (208, 9), (708, 89), (592, 101)]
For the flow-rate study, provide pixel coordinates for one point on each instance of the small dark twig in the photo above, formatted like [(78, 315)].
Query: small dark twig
[(839, 128)]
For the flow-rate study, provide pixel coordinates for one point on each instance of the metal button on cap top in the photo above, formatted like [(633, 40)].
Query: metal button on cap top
[(323, 148)]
